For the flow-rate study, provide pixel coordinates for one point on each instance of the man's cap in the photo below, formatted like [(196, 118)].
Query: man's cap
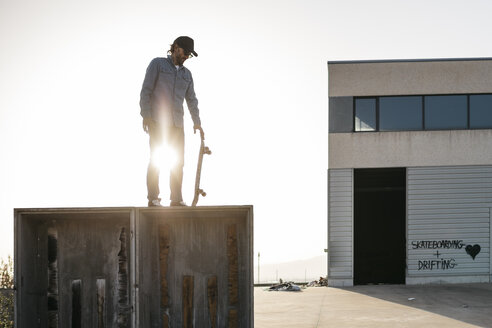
[(187, 44)]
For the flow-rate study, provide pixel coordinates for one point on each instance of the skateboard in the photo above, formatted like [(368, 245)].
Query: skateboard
[(203, 150)]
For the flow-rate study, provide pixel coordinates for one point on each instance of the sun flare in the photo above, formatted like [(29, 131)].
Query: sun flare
[(164, 157)]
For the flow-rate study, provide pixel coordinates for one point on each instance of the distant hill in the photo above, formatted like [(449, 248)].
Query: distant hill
[(299, 271)]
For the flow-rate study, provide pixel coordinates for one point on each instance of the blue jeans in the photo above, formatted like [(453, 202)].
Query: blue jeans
[(174, 138)]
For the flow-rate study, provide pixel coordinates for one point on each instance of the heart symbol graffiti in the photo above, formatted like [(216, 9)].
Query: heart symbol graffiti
[(472, 250)]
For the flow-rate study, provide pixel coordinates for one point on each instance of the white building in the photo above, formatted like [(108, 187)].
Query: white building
[(410, 171)]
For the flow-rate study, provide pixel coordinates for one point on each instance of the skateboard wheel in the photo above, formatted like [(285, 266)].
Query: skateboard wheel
[(207, 151), (203, 193)]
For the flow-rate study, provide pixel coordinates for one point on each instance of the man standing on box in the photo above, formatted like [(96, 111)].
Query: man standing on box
[(166, 85)]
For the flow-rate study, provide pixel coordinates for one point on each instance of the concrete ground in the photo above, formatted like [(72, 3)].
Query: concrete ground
[(460, 305)]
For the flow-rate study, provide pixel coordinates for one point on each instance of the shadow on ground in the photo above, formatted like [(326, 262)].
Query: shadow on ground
[(470, 303)]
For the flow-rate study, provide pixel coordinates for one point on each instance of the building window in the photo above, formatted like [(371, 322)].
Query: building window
[(423, 112), (400, 113), (480, 111), (446, 112), (365, 114)]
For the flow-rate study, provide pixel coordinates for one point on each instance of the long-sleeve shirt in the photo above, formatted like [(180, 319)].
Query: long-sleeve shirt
[(163, 91)]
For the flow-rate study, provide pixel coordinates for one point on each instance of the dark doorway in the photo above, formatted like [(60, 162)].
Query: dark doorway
[(379, 226)]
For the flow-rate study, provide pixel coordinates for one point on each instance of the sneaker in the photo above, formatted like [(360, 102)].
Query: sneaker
[(176, 203), (155, 202)]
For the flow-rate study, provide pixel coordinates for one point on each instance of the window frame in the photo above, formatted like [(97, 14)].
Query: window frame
[(423, 113), (354, 112), (422, 96), (469, 110), (467, 127)]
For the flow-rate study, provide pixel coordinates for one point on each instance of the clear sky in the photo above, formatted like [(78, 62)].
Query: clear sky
[(70, 79)]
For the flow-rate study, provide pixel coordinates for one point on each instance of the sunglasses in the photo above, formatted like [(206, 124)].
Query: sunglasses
[(187, 53)]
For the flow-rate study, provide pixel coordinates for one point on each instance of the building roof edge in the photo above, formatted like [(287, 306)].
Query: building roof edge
[(377, 61)]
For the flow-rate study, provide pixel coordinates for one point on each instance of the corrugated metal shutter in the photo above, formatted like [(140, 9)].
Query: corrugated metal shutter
[(340, 223), (448, 211)]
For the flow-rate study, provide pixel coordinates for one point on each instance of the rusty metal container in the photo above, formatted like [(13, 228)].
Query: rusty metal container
[(134, 267)]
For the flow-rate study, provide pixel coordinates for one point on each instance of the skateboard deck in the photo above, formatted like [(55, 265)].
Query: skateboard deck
[(203, 150)]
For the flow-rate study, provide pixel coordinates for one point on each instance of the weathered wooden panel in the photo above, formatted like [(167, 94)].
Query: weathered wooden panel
[(233, 318), (124, 306), (188, 289), (164, 245), (76, 304), (52, 278), (101, 299), (212, 294), (232, 259)]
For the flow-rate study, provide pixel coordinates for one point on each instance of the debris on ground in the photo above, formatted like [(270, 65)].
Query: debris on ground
[(322, 282), (285, 286)]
